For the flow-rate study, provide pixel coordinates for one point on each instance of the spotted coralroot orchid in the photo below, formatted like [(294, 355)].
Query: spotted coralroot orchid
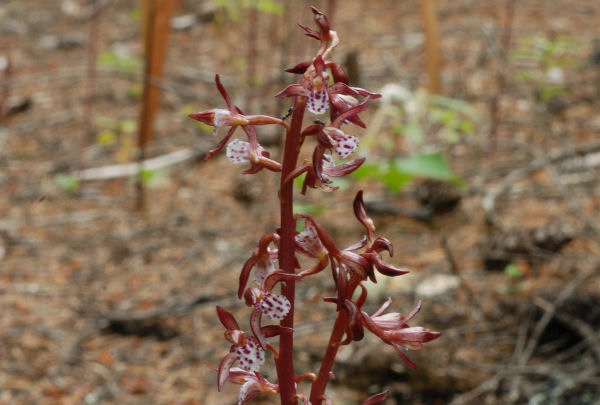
[(268, 278), (392, 328), (239, 151), (245, 349), (252, 384)]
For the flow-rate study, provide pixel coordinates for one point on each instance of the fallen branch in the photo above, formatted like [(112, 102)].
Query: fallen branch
[(135, 168)]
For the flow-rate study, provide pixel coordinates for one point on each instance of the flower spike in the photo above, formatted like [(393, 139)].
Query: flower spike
[(269, 277)]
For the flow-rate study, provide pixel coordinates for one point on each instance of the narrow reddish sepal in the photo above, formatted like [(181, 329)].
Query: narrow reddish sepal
[(256, 329), (322, 22), (360, 212), (300, 68), (338, 73), (384, 268), (310, 32), (344, 169), (376, 399), (227, 319), (381, 244), (293, 90), (223, 371)]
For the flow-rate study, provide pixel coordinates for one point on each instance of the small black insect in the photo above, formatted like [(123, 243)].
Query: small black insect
[(288, 113), (319, 122)]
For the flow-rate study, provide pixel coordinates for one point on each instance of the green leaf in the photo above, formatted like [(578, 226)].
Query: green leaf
[(266, 6), (395, 180), (147, 175), (387, 174), (311, 209), (298, 181), (513, 271), (466, 127), (135, 92), (106, 138), (125, 64), (342, 183), (432, 165), (414, 131), (127, 126), (551, 91), (367, 170), (136, 14), (454, 104), (68, 183), (451, 135)]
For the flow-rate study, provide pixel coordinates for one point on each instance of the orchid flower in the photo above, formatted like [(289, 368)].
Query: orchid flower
[(239, 151), (274, 306), (320, 96), (392, 329), (263, 260), (329, 138), (252, 384), (245, 349)]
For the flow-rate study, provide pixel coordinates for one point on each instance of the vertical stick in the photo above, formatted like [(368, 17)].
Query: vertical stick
[(90, 82), (155, 29), (505, 36), (429, 15), (251, 72), (6, 70)]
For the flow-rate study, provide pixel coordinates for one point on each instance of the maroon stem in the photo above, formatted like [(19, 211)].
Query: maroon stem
[(285, 363), (317, 391)]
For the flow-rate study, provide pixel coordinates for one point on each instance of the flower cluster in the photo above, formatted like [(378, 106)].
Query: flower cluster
[(323, 87), (350, 270)]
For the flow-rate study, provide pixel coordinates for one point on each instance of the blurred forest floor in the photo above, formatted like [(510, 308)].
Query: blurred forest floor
[(103, 304)]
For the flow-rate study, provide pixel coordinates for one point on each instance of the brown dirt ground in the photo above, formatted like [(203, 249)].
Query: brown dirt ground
[(73, 263)]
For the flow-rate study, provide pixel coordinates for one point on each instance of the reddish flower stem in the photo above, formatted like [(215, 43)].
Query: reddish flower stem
[(318, 386), (285, 363)]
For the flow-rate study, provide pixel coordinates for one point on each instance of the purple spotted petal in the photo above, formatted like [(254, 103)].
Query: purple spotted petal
[(346, 145), (318, 102), (308, 241), (250, 357), (238, 151), (274, 306)]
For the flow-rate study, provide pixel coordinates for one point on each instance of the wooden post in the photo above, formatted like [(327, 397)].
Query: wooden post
[(429, 15), (156, 17), (156, 28)]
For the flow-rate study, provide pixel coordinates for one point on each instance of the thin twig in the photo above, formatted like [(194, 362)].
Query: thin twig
[(455, 269), (90, 82), (566, 293), (591, 336), (135, 168), (491, 384)]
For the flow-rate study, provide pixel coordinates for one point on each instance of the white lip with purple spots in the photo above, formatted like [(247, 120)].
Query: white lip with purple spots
[(250, 357), (274, 306), (318, 102), (346, 145), (238, 151)]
